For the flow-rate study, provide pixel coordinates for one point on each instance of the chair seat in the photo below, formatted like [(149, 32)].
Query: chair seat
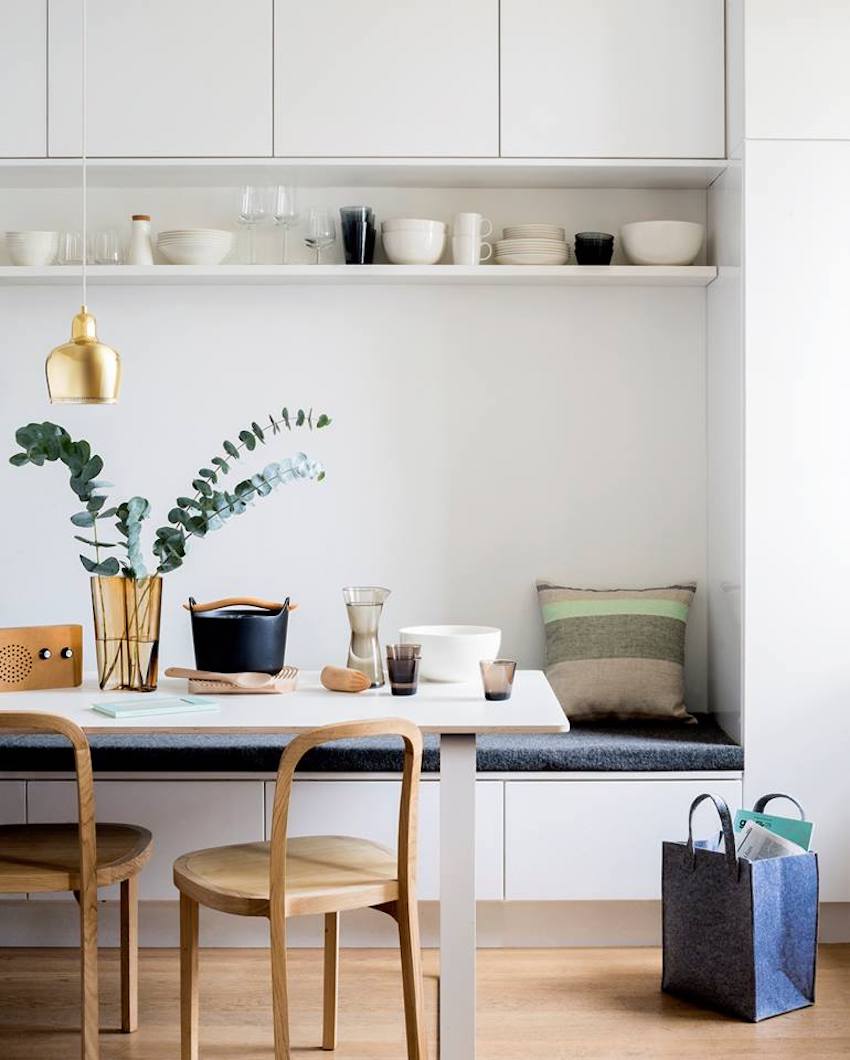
[(46, 857), (323, 874)]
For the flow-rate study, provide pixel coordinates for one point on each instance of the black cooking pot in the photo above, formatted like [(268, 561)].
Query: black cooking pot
[(236, 635)]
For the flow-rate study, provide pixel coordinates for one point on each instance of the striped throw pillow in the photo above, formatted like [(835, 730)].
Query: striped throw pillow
[(617, 652)]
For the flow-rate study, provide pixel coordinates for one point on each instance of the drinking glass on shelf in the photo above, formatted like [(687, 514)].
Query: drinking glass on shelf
[(321, 231), (285, 211), (253, 208), (107, 248), (71, 249)]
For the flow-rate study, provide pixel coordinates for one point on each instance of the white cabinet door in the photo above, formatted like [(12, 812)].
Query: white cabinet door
[(165, 78), (182, 815), (599, 839), (612, 78), (23, 79), (797, 79), (375, 78), (369, 809)]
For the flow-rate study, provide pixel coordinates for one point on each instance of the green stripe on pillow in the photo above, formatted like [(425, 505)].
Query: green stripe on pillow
[(560, 609), (616, 637)]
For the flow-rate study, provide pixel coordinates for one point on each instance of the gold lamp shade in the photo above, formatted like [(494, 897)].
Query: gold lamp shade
[(84, 371)]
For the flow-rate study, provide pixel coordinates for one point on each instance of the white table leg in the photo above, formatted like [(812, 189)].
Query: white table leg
[(457, 897)]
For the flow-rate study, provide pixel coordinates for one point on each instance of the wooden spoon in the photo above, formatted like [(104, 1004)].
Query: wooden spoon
[(338, 679), (240, 680)]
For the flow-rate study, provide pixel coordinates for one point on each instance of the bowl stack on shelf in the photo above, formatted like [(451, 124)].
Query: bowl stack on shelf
[(535, 244), (195, 246)]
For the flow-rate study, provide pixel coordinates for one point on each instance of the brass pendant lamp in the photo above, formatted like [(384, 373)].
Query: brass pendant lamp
[(84, 371)]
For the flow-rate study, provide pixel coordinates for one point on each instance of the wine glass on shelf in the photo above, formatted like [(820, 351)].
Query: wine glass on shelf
[(321, 231), (253, 208), (285, 211)]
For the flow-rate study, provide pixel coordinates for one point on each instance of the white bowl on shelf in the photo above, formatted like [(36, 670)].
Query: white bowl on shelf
[(414, 246), (32, 248), (195, 246), (662, 242), (452, 653), (409, 224)]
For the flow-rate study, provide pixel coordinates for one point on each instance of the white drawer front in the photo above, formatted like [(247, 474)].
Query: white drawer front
[(369, 809), (590, 840), (182, 815)]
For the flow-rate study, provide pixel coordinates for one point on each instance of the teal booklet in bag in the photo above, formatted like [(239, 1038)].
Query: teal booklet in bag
[(799, 832)]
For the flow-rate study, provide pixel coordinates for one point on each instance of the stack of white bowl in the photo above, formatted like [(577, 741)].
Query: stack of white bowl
[(413, 240), (532, 245), (195, 246), (32, 248)]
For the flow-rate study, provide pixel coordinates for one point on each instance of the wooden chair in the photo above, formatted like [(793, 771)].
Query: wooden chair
[(80, 858), (312, 874)]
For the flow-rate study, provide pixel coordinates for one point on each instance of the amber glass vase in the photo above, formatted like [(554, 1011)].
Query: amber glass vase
[(126, 631)]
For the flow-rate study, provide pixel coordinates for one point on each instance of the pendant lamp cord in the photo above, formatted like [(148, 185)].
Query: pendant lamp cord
[(84, 131)]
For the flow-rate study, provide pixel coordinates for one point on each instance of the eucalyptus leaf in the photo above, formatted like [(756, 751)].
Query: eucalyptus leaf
[(248, 440), (323, 421), (231, 450), (19, 459), (108, 567), (96, 544), (207, 472), (202, 487), (258, 432), (299, 420), (83, 519)]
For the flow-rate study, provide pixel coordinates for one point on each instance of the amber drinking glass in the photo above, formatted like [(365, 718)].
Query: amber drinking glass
[(498, 678), (126, 631), (403, 668)]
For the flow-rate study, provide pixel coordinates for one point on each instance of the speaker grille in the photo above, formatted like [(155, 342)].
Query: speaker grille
[(15, 663)]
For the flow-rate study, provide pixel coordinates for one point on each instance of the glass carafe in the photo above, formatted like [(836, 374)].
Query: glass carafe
[(364, 604)]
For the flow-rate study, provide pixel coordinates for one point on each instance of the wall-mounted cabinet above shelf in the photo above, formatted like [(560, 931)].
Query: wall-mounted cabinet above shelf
[(365, 172), (481, 275)]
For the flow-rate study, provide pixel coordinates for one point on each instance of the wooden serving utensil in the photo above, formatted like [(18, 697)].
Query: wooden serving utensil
[(231, 601), (339, 679)]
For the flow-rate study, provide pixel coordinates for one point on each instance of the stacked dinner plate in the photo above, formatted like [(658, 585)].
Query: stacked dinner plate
[(532, 245), (195, 246)]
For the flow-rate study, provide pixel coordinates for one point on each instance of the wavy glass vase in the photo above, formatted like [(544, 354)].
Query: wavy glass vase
[(126, 631)]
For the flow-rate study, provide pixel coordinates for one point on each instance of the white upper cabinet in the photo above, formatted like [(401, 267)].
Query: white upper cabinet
[(165, 77), (392, 79), (797, 75), (612, 78), (23, 79)]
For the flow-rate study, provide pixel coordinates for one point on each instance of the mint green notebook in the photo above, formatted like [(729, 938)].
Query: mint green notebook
[(145, 706), (799, 832)]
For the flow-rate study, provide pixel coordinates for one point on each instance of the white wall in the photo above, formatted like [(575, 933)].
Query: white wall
[(482, 437)]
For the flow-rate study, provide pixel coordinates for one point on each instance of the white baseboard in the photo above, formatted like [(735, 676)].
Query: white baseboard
[(500, 924)]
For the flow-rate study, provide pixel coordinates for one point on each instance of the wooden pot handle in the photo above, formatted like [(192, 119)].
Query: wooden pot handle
[(232, 601)]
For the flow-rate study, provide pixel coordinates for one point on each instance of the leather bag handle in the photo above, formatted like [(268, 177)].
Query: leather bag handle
[(728, 834), (233, 601), (763, 800)]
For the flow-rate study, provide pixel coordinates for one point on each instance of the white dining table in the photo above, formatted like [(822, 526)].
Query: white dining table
[(458, 713)]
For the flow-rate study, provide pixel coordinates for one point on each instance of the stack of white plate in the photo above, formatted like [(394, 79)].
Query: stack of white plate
[(32, 248), (195, 246), (532, 245)]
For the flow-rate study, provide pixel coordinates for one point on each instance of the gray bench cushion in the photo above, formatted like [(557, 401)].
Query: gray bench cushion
[(589, 746)]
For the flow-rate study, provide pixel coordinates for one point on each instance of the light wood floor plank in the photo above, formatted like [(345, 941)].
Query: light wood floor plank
[(592, 1004)]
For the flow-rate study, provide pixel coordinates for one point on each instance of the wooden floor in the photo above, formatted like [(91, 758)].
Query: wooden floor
[(547, 1004)]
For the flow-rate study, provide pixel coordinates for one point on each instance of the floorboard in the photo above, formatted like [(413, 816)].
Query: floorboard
[(591, 1004)]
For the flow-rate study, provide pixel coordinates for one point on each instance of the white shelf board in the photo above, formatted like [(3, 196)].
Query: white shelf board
[(366, 172), (482, 275)]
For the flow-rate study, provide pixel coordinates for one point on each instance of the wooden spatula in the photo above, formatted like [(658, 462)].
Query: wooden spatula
[(238, 680)]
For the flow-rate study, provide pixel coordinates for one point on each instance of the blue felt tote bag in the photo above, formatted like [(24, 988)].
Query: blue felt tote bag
[(739, 935)]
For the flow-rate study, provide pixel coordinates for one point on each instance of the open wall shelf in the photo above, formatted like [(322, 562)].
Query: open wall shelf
[(366, 172), (481, 275)]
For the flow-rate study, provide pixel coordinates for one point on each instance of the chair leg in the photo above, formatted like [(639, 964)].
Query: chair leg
[(280, 1003), (411, 973), (188, 978), (130, 955), (90, 1021), (331, 987)]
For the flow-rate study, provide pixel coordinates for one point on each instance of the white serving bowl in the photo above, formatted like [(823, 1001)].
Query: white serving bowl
[(414, 247), (197, 250), (32, 248), (662, 242), (407, 224), (452, 653)]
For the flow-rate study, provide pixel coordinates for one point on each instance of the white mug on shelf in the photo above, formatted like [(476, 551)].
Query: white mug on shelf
[(467, 250), (472, 224)]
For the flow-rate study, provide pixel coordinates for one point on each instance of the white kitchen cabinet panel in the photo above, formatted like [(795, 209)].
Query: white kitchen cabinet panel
[(600, 839), (612, 78), (182, 815), (165, 78), (372, 78), (13, 810), (797, 75), (369, 809), (23, 79)]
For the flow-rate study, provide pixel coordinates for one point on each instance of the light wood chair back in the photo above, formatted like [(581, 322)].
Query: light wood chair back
[(408, 803)]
